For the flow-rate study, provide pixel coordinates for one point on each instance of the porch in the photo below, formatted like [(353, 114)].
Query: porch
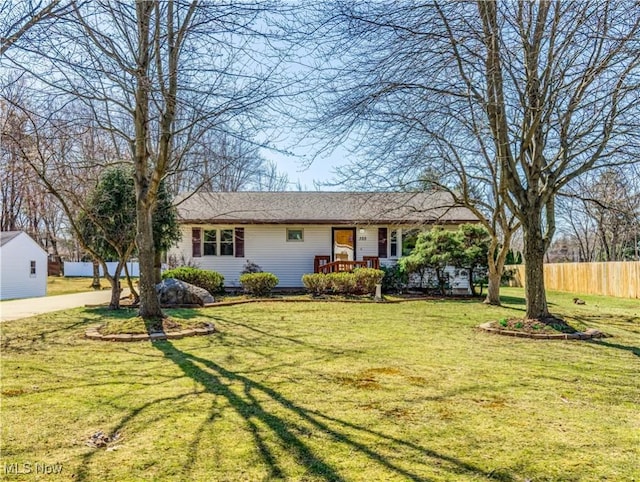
[(323, 264)]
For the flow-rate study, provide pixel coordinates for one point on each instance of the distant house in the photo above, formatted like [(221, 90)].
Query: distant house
[(23, 265), (293, 233)]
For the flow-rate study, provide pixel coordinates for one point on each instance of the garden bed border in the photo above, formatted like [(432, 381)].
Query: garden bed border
[(580, 335)]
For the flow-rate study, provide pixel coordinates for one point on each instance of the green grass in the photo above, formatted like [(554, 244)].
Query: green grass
[(329, 391), (61, 285), (127, 321)]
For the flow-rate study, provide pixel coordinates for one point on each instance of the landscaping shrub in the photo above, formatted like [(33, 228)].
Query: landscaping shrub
[(343, 283), (361, 281), (367, 279), (258, 284), (395, 279), (209, 280), (316, 283), (250, 267)]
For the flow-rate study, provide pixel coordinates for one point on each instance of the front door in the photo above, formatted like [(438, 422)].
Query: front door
[(344, 244)]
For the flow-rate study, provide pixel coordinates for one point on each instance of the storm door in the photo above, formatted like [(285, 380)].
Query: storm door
[(344, 244)]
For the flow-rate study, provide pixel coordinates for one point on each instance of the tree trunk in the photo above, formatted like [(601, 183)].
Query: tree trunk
[(116, 290), (534, 249), (493, 286), (157, 272), (496, 268), (134, 294), (441, 281), (95, 284), (471, 287), (149, 303)]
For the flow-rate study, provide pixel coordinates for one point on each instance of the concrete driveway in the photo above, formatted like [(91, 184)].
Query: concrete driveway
[(16, 309)]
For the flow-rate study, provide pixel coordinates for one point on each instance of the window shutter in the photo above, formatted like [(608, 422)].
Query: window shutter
[(382, 242), (196, 246), (239, 235)]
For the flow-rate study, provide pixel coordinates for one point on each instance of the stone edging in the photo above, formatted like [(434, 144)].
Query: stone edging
[(94, 334), (586, 335)]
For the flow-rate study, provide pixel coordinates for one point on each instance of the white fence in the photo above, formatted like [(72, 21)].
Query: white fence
[(86, 269)]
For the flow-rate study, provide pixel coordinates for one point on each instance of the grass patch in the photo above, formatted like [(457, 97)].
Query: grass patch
[(62, 285), (328, 391), (126, 321)]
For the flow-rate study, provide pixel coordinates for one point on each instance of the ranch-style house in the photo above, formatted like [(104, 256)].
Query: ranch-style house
[(294, 233)]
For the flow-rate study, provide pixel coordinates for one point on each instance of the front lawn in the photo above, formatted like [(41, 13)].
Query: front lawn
[(65, 285), (327, 391)]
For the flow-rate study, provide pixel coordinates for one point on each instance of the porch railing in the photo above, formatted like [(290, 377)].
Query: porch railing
[(323, 264)]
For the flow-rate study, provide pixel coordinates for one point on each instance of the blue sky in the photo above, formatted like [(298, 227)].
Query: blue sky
[(321, 169)]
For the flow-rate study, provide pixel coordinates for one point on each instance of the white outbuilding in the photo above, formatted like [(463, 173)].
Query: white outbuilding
[(23, 266)]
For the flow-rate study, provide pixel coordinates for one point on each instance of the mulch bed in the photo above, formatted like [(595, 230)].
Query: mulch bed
[(551, 325), (550, 328)]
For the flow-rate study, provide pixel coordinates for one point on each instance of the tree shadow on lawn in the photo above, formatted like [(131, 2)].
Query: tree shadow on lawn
[(602, 321), (295, 341), (517, 301), (185, 313), (512, 300), (625, 322), (633, 349), (218, 381), (42, 336)]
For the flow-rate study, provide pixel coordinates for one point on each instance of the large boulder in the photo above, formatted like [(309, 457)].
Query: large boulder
[(175, 292)]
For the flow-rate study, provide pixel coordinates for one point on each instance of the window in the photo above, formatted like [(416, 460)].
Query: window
[(219, 242), (394, 243), (210, 237), (33, 268), (226, 242), (295, 234)]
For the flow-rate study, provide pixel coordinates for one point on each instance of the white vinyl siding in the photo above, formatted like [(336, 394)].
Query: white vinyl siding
[(18, 258), (267, 246)]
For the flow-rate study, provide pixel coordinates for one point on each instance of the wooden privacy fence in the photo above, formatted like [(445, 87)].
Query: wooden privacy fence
[(614, 278)]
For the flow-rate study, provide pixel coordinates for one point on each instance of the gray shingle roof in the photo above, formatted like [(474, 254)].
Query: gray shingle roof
[(6, 236), (321, 208)]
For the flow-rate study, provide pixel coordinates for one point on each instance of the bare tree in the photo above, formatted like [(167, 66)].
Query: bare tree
[(25, 202), (12, 180), (603, 211), (269, 178), (222, 161), (59, 154), (158, 75), (578, 227), (19, 18), (513, 98)]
